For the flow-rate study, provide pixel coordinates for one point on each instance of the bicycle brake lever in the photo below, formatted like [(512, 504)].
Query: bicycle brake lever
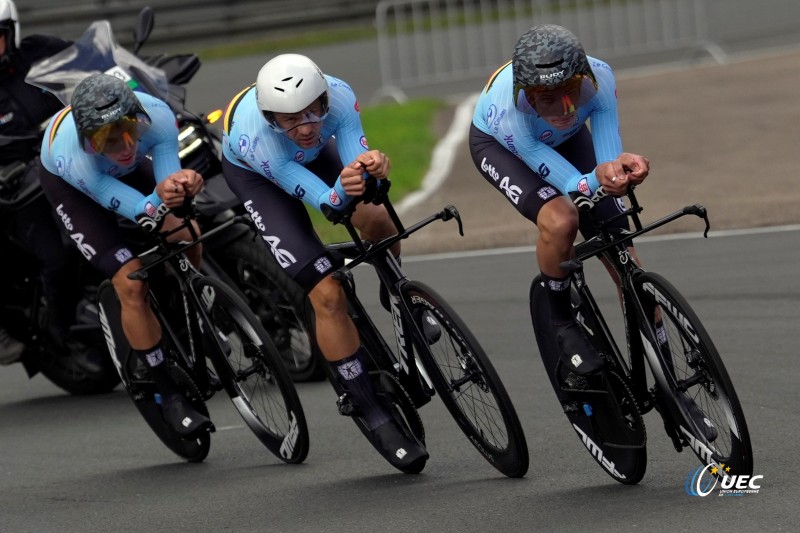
[(699, 211), (451, 212)]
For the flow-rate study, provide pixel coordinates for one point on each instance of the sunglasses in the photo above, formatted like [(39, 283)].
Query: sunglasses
[(116, 136)]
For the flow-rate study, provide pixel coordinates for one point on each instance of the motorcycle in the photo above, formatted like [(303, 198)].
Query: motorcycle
[(235, 255), (74, 360)]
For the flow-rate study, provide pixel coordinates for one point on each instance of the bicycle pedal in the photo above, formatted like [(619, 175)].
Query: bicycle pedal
[(570, 408), (576, 382), (346, 406)]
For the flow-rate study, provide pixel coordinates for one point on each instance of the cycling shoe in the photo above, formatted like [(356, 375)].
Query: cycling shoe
[(183, 418), (576, 352), (699, 418), (399, 450)]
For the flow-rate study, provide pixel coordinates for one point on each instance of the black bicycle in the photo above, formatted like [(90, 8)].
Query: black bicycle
[(687, 384), (202, 320), (452, 364)]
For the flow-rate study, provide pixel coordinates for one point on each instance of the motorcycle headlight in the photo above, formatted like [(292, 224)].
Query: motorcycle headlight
[(189, 140)]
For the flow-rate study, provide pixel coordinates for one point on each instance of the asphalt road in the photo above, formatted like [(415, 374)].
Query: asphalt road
[(91, 464)]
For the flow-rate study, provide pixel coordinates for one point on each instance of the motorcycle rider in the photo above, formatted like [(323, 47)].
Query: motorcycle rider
[(279, 151), (94, 166), (23, 110)]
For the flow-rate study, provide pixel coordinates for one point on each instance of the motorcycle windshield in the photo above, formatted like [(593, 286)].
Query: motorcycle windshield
[(95, 51)]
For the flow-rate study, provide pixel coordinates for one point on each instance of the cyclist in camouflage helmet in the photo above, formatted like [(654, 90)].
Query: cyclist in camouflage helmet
[(94, 167), (529, 138)]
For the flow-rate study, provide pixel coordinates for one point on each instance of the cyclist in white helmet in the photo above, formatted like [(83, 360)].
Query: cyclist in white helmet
[(295, 136)]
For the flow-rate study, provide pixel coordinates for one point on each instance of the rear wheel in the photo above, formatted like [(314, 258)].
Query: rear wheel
[(709, 416), (250, 369), (601, 410), (277, 301), (141, 388), (467, 382)]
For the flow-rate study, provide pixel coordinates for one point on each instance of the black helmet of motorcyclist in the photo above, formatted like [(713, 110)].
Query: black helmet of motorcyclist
[(107, 114), (549, 57), (9, 28)]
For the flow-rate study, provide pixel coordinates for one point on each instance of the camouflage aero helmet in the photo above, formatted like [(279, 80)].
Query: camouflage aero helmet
[(548, 56), (101, 103)]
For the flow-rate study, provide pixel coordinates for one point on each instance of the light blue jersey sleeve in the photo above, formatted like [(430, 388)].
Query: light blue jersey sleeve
[(97, 176), (250, 143), (517, 126)]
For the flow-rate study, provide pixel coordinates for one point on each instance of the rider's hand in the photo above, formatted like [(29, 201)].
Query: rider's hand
[(352, 179), (613, 177), (177, 186), (376, 163), (636, 166)]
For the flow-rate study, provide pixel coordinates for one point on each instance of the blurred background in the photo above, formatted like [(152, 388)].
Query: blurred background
[(395, 49)]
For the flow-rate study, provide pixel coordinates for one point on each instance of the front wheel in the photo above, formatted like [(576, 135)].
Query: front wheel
[(466, 380), (708, 414), (250, 368)]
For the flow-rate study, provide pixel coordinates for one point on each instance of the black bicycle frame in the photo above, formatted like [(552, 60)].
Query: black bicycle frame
[(411, 373), (613, 247), (179, 268)]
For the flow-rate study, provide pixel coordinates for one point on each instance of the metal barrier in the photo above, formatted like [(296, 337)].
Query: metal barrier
[(424, 42)]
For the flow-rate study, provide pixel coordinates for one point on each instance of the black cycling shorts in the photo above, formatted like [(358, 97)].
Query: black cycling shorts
[(282, 220), (534, 191), (93, 228)]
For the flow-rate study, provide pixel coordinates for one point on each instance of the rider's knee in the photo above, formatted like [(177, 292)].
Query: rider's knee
[(373, 220), (130, 292), (558, 220), (328, 298)]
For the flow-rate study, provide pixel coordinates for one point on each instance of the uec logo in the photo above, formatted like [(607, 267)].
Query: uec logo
[(698, 484)]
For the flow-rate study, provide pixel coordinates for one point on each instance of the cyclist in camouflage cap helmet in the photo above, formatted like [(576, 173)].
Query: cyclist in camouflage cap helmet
[(101, 103), (547, 56), (530, 140), (118, 156)]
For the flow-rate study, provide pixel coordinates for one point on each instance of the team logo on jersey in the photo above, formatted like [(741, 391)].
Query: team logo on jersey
[(299, 156), (60, 165), (356, 107), (491, 114), (546, 135), (363, 141), (244, 144), (150, 210), (334, 199), (583, 187)]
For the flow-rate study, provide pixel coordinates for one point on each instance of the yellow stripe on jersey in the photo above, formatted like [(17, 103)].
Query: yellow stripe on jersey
[(493, 76), (56, 123), (226, 122)]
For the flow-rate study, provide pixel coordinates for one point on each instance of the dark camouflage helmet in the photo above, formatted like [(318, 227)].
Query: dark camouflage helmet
[(101, 99), (547, 56)]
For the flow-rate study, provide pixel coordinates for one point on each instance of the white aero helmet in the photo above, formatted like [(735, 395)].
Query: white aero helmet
[(9, 21), (289, 83)]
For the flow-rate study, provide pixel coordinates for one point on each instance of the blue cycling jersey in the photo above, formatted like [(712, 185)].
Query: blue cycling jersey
[(97, 176), (518, 127), (250, 143)]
